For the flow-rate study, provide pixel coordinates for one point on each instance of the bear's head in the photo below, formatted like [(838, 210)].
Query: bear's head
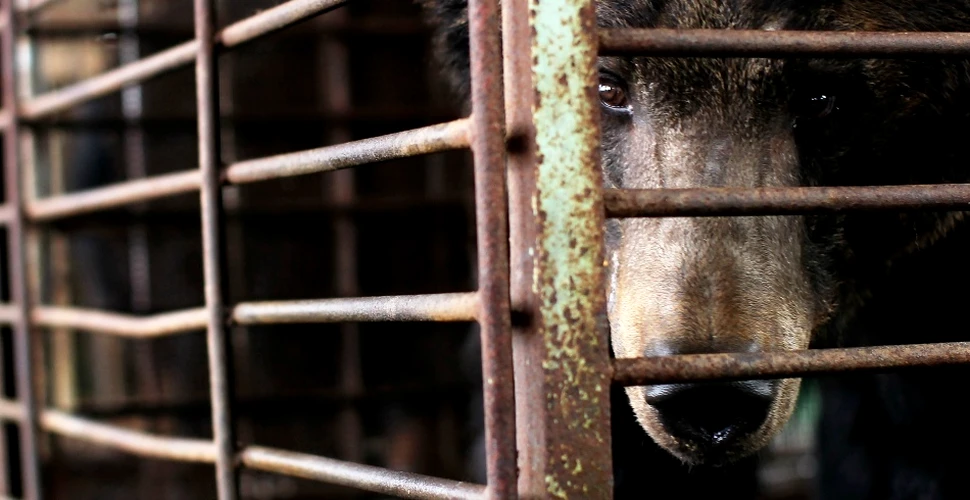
[(756, 284)]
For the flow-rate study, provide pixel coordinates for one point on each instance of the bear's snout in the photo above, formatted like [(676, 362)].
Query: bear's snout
[(712, 419)]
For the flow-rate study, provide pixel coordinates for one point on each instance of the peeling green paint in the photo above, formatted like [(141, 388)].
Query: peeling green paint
[(569, 277)]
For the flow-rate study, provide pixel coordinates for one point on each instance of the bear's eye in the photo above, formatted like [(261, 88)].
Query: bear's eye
[(612, 94), (818, 106)]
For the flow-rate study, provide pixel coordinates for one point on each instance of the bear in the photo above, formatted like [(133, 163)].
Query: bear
[(684, 285)]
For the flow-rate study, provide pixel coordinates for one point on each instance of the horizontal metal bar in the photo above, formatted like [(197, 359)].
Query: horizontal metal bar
[(432, 139), (782, 200), (8, 314), (172, 58), (108, 82), (365, 477), (33, 6), (371, 27), (6, 213), (273, 19), (11, 410), (435, 138), (135, 442), (437, 307), (120, 324), (432, 307), (768, 365), (114, 195), (760, 43)]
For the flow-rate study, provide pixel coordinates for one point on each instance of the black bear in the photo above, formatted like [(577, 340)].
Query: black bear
[(750, 284)]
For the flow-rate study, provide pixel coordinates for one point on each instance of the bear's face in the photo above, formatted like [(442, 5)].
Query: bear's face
[(735, 284), (755, 284), (703, 285)]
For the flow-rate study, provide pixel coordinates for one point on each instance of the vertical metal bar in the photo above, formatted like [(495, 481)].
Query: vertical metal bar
[(132, 104), (562, 355), (220, 369), (335, 62), (23, 347), (529, 398), (62, 342), (488, 147)]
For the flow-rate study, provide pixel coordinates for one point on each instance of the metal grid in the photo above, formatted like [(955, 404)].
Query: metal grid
[(540, 210)]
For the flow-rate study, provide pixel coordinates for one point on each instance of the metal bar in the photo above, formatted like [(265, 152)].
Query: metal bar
[(760, 43), (619, 202), (767, 365), (437, 307), (213, 264), (371, 26), (782, 200), (9, 314), (488, 148), (108, 82), (34, 6), (135, 160), (122, 193), (11, 411), (135, 442), (527, 343), (574, 452), (274, 19), (173, 58), (123, 325), (426, 140), (365, 477), (336, 81), (432, 139), (19, 293)]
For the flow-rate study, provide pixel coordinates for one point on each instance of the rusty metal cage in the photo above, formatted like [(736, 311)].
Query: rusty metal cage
[(540, 209)]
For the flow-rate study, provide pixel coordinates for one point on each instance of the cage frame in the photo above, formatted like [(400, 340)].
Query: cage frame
[(540, 211)]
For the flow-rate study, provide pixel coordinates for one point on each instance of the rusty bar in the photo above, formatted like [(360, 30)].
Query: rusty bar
[(108, 82), (782, 200), (214, 271), (432, 139), (760, 43), (569, 276), (274, 19), (436, 307), (488, 148), (172, 58), (116, 195), (768, 365), (527, 344), (19, 292), (135, 442), (365, 477), (123, 325), (426, 140)]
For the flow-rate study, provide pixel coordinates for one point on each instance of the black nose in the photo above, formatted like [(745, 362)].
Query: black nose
[(712, 416)]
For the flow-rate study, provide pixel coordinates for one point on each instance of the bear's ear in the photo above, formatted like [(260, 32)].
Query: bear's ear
[(449, 20)]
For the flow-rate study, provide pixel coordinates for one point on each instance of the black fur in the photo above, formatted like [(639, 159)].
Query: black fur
[(888, 277)]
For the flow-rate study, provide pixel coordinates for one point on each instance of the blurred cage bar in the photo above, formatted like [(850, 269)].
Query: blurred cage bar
[(137, 217)]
